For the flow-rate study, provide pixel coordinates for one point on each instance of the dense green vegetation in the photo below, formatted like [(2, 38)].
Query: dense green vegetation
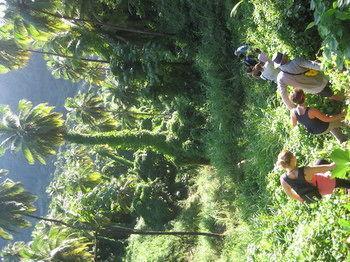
[(172, 135)]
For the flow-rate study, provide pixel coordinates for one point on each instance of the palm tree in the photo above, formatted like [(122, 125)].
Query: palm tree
[(81, 21), (15, 203), (38, 131), (12, 56), (91, 109), (27, 25), (120, 232), (66, 56), (46, 17)]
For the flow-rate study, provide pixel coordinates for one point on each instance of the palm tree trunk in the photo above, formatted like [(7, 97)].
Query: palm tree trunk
[(67, 56), (139, 139), (125, 139), (95, 247), (122, 113), (119, 230), (96, 23), (55, 221)]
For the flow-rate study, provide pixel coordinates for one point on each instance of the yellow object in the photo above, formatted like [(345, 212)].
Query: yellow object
[(311, 72)]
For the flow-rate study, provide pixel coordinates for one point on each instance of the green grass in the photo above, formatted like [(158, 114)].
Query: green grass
[(209, 208)]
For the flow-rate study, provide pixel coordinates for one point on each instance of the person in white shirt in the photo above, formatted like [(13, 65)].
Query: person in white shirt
[(265, 69)]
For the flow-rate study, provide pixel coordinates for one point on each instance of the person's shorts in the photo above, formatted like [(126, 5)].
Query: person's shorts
[(327, 91)]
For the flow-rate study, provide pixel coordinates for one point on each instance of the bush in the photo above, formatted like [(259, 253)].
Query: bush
[(150, 166), (109, 202), (154, 204), (280, 26)]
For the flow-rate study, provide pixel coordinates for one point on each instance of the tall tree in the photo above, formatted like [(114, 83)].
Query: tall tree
[(90, 108), (51, 15), (12, 56), (76, 17), (120, 232), (50, 244), (17, 204), (38, 131)]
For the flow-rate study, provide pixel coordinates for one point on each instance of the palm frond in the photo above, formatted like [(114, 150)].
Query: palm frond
[(14, 203), (36, 131), (12, 56)]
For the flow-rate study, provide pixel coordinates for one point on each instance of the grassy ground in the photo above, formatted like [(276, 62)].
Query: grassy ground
[(240, 195)]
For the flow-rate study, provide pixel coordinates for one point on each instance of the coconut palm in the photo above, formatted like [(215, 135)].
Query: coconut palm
[(15, 202), (49, 16), (115, 231), (81, 49), (75, 9), (26, 27), (38, 131), (95, 111), (13, 56)]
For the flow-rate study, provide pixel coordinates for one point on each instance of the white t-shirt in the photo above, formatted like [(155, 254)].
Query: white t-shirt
[(270, 72)]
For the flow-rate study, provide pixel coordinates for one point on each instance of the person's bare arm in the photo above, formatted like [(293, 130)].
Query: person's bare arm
[(289, 191), (309, 64), (315, 113), (285, 96), (293, 118), (309, 171)]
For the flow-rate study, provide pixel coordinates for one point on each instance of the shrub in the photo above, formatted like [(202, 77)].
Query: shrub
[(151, 166)]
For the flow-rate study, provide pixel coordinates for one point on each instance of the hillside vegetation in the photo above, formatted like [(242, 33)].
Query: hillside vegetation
[(173, 135)]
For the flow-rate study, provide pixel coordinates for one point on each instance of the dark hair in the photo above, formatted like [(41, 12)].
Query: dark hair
[(258, 74), (249, 69), (298, 97), (241, 56)]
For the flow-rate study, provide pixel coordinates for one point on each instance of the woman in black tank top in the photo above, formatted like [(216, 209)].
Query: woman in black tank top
[(313, 120), (308, 183)]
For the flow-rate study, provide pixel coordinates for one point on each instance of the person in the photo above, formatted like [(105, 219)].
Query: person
[(314, 120), (301, 74), (265, 70), (308, 183), (249, 61), (242, 50), (248, 55)]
